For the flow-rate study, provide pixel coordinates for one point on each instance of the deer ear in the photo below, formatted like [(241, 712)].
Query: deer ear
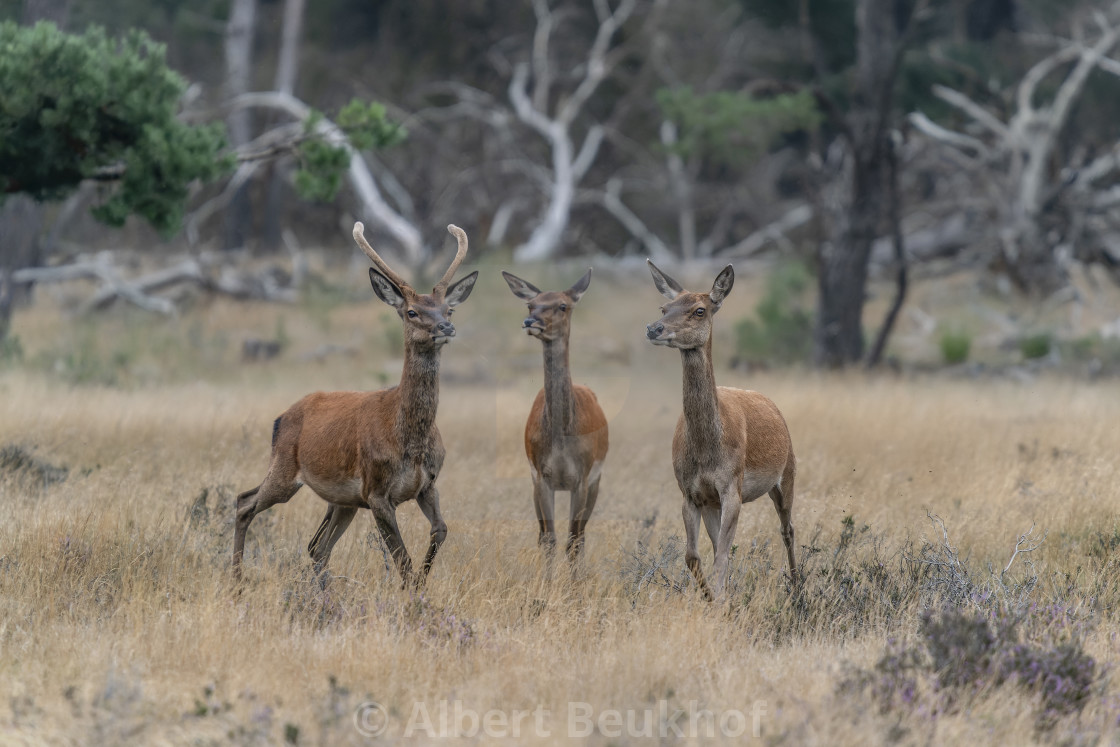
[(523, 289), (459, 292), (666, 286), (386, 289), (722, 286), (577, 290)]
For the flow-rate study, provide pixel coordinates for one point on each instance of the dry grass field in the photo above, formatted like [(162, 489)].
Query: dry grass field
[(119, 623)]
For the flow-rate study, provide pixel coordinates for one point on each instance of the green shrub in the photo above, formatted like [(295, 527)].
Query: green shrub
[(1091, 347), (955, 346), (393, 335), (11, 349), (1036, 346), (782, 333)]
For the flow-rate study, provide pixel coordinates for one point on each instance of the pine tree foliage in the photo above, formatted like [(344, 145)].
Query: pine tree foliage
[(86, 106)]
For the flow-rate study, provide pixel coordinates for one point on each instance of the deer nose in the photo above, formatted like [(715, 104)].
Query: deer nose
[(446, 328), (653, 331), (530, 321)]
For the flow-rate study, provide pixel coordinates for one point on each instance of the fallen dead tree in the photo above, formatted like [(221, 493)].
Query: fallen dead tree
[(1041, 205), (210, 272)]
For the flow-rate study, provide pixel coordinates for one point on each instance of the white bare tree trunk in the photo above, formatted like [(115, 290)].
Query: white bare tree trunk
[(239, 59), (553, 122), (287, 66), (292, 31)]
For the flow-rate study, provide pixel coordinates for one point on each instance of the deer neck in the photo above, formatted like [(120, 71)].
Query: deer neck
[(701, 407), (419, 398), (559, 406)]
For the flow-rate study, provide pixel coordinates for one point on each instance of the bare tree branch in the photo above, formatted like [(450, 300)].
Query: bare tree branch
[(598, 67), (958, 140), (611, 200), (362, 181), (774, 233), (972, 109)]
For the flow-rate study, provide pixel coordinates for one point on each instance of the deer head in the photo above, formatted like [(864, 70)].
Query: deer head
[(426, 317), (550, 312), (686, 321)]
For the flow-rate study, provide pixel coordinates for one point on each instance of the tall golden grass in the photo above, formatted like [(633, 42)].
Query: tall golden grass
[(120, 624)]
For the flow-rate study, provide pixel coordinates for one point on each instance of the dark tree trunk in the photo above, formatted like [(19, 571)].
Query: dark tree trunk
[(5, 304), (894, 215), (843, 263), (21, 223), (842, 271), (57, 11)]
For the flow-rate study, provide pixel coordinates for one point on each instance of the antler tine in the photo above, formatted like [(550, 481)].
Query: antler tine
[(461, 236), (360, 237)]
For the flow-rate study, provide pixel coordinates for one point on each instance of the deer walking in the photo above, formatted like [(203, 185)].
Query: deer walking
[(566, 433), (731, 445), (372, 450)]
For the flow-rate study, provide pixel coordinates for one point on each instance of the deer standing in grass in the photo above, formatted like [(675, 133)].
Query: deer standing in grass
[(731, 445), (566, 433), (372, 450)]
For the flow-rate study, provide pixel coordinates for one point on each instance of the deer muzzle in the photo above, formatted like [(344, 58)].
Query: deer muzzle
[(655, 331), (444, 331), (533, 326)]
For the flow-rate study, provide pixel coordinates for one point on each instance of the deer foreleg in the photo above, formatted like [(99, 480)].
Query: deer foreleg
[(429, 506), (691, 555), (728, 521), (386, 519), (543, 501), (583, 502)]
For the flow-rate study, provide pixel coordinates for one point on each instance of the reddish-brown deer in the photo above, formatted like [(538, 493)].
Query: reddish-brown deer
[(566, 433), (372, 450), (731, 446)]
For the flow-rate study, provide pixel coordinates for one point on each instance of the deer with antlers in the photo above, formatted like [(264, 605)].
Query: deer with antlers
[(566, 433), (372, 450), (731, 445)]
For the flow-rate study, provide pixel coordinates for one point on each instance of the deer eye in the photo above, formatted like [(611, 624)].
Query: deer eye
[(412, 314), (699, 311), (563, 307)]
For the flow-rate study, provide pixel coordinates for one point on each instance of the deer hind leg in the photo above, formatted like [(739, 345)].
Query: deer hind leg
[(275, 489), (332, 528), (429, 506), (544, 499), (691, 555), (386, 519), (782, 495)]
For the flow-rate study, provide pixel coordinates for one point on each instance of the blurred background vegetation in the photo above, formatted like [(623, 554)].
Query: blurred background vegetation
[(847, 149)]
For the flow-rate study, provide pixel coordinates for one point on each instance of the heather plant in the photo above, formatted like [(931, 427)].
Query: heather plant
[(961, 655)]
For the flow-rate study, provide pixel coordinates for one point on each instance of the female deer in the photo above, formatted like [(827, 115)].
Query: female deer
[(731, 445), (566, 433)]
